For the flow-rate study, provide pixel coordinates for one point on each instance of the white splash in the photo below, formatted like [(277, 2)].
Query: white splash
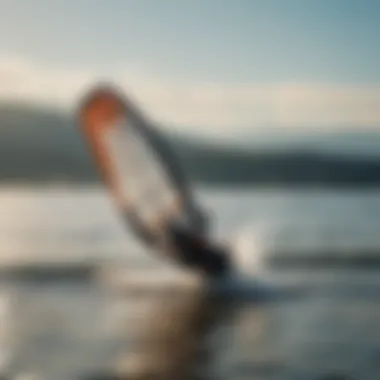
[(247, 249)]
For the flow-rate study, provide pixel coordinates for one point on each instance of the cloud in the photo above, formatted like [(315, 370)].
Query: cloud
[(201, 105)]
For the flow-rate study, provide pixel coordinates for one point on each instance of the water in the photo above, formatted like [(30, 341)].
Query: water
[(73, 327)]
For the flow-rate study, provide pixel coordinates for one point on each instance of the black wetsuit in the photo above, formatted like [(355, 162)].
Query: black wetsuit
[(199, 253)]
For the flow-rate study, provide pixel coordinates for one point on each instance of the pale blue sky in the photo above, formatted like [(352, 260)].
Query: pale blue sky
[(221, 40), (270, 42)]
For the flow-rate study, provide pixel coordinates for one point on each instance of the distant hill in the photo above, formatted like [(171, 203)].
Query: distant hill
[(350, 142), (38, 144)]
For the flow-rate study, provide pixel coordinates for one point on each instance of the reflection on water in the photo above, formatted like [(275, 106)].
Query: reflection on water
[(139, 322), (167, 339), (65, 330)]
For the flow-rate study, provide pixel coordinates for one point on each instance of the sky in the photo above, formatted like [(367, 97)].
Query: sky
[(218, 65)]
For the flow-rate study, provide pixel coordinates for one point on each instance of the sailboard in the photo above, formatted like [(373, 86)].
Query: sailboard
[(138, 166)]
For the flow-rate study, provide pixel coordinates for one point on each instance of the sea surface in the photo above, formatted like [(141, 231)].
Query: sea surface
[(81, 299)]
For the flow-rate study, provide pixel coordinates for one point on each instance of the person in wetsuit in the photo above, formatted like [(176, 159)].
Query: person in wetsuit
[(197, 252), (192, 248)]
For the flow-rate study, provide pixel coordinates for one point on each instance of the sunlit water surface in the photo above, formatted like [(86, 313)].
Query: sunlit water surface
[(81, 325)]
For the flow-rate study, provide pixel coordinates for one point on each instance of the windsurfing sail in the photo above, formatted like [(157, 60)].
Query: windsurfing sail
[(138, 166)]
